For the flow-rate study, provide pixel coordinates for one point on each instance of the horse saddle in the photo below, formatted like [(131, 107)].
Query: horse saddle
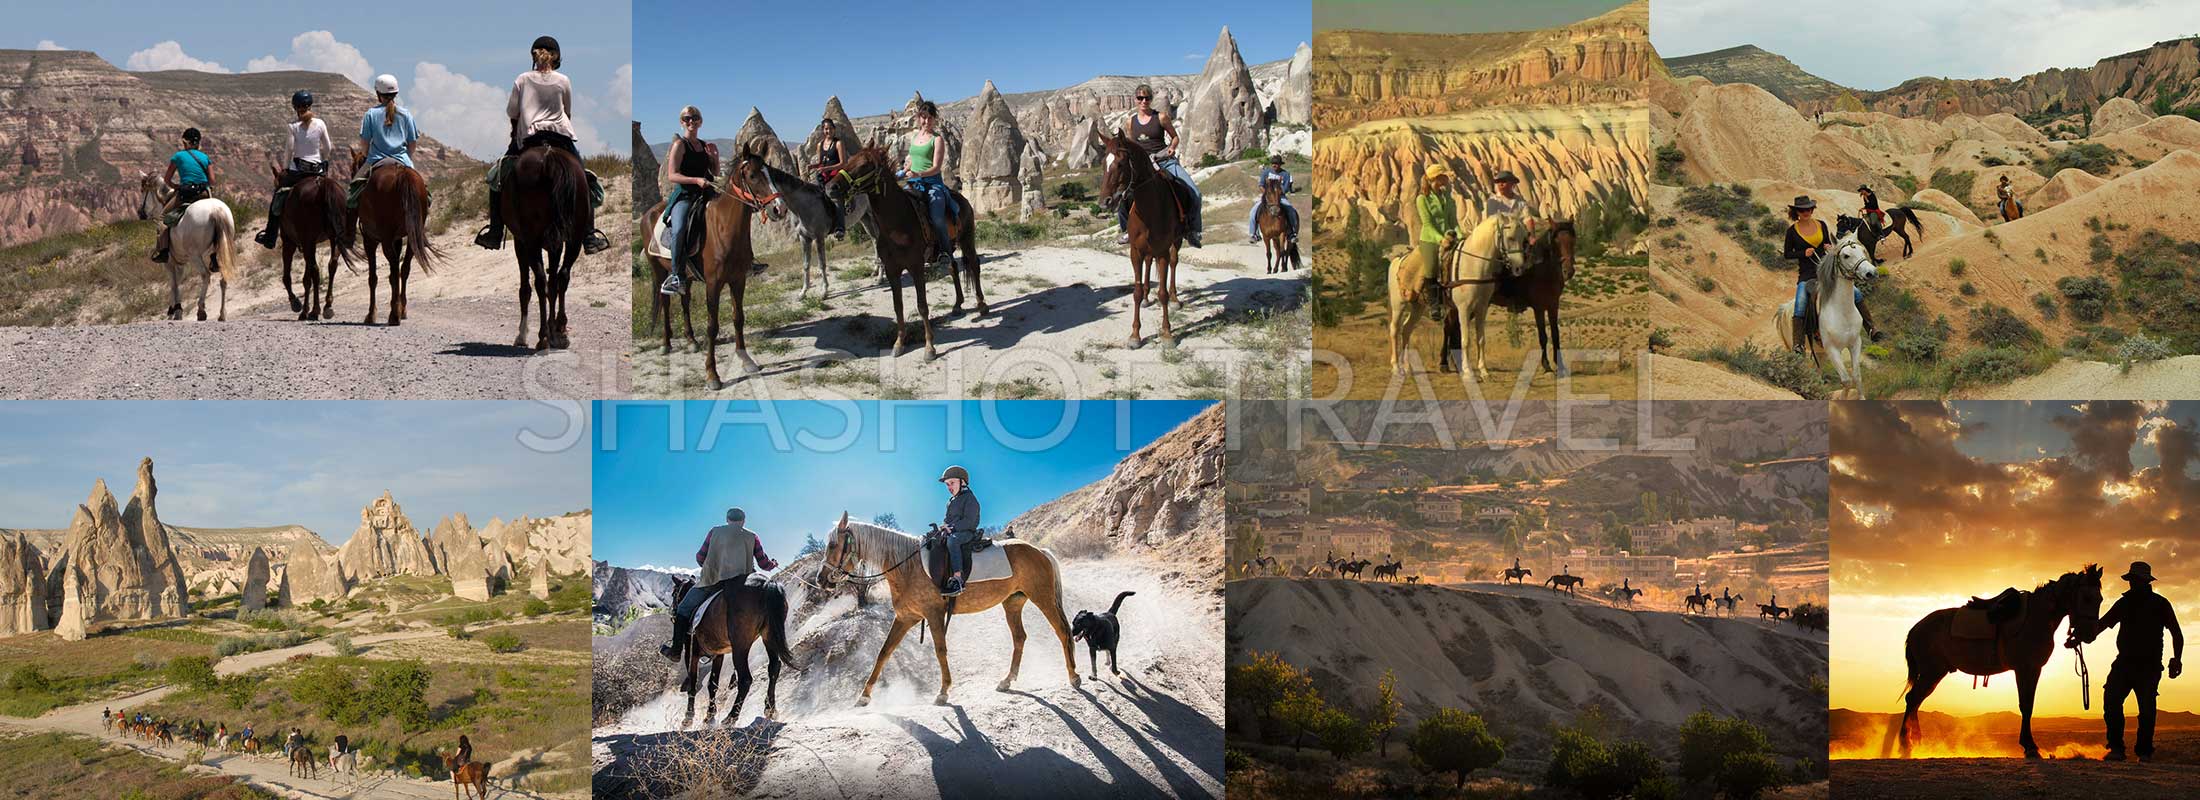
[(981, 560), (955, 206), (660, 233), (752, 579), (1982, 617)]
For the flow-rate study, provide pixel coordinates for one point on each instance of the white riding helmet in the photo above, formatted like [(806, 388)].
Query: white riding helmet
[(385, 83)]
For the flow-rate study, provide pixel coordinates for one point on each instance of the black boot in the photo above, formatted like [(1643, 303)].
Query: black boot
[(267, 237), (1870, 330), (672, 650), (1795, 326), (160, 249), (492, 237)]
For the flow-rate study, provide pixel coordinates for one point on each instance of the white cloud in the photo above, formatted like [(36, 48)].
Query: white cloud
[(168, 55), (318, 51), (458, 110), (48, 44), (621, 95)]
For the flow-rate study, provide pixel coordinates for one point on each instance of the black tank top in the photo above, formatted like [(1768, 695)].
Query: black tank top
[(695, 162), (1148, 134), (829, 154)]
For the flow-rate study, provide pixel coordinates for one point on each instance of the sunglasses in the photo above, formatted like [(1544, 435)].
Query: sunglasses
[(1145, 98)]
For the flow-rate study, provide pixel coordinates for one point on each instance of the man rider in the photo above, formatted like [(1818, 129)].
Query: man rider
[(1275, 172), (960, 524), (729, 553), (309, 150), (2137, 671), (191, 174), (1154, 131)]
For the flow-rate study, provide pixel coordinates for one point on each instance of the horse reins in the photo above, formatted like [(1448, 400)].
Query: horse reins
[(848, 546), (1458, 248)]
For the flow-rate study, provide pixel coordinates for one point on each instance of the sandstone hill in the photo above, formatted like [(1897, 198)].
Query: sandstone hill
[(1369, 75), (1162, 502), (1754, 65), (2164, 77)]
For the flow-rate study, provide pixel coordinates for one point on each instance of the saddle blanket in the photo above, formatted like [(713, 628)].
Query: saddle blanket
[(660, 240), (990, 564), (1971, 623), (754, 579)]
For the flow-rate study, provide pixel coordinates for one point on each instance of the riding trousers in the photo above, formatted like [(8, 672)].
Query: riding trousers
[(2141, 678), (936, 191), (1176, 170), (684, 615), (1290, 217), (185, 195), (1803, 288)]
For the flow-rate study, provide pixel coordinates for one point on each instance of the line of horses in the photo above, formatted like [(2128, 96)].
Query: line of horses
[(545, 206), (471, 777)]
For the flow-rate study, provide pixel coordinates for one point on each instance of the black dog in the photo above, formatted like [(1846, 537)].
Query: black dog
[(1100, 632)]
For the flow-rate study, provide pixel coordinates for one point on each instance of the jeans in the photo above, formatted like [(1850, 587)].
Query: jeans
[(955, 542), (677, 227), (936, 190), (1168, 165), (2140, 678), (1290, 217), (684, 614), (1801, 302)]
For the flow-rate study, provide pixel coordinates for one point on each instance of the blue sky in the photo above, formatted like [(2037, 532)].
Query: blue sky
[(1876, 44), (654, 504), (454, 61), (2019, 431), (311, 463), (786, 58), (1471, 16)]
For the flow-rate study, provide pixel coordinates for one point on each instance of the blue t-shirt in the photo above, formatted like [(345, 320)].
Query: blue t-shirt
[(190, 167), (388, 141)]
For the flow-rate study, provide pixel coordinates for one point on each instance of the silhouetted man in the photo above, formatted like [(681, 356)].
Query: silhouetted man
[(2138, 666)]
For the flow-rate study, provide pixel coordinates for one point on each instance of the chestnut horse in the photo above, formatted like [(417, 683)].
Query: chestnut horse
[(546, 207), (904, 225), (1542, 287), (1152, 224), (471, 773), (660, 306), (736, 618), (726, 259), (1275, 230), (393, 213), (314, 213), (865, 553), (2022, 644)]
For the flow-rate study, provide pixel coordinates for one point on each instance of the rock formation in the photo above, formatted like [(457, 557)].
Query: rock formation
[(2066, 184), (1365, 75), (451, 531), (755, 129), (120, 563), (385, 544), (2167, 70), (1223, 116), (1753, 65), (1034, 175), (23, 605), (2119, 113), (649, 176), (564, 539), (1078, 154), (1163, 501), (1294, 103), (993, 149), (539, 582), (469, 571), (72, 624), (309, 576), (255, 581)]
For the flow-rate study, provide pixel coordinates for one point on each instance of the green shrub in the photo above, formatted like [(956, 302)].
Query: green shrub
[(2046, 305), (2095, 158), (1262, 682), (1669, 162), (1596, 771), (535, 607), (2160, 279), (1743, 776), (1073, 191), (1906, 182), (1457, 742), (1341, 735), (1729, 753), (1988, 367), (2087, 296), (398, 691), (194, 672), (2098, 249), (330, 690), (1967, 290), (341, 643), (29, 679), (1956, 184), (502, 642), (1783, 368), (1993, 325), (1956, 267), (2139, 349)]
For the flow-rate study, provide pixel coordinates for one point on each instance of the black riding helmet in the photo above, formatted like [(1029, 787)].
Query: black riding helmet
[(301, 99), (557, 58)]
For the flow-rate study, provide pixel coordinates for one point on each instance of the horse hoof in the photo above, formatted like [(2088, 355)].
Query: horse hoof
[(863, 701), (202, 315), (521, 341), (1002, 687), (1134, 342), (715, 384), (940, 700), (296, 306), (304, 316), (930, 354)]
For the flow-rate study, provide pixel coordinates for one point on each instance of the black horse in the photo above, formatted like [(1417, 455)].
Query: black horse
[(735, 619), (1900, 219)]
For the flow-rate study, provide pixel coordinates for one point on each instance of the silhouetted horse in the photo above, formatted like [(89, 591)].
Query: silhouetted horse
[(2022, 644)]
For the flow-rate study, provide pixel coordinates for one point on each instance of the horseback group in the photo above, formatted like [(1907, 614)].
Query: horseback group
[(1512, 259), (2015, 630), (1703, 602)]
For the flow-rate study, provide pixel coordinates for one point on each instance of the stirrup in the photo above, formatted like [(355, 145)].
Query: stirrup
[(596, 242), (266, 238), (491, 237)]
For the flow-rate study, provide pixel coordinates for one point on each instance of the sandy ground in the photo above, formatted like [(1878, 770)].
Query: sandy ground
[(456, 343), (1670, 378), (1154, 730), (2071, 379), (2009, 778)]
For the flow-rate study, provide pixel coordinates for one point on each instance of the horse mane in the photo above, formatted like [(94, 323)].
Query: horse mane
[(883, 542), (2080, 572)]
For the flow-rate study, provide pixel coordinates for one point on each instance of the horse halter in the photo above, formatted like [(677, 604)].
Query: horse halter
[(746, 197), (847, 537), (1459, 248)]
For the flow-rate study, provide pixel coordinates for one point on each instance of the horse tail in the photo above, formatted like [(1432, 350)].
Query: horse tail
[(416, 223), (568, 184), (775, 637), (1915, 223), (332, 212), (223, 248), (1119, 602)]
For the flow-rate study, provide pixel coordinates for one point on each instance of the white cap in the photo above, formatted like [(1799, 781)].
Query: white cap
[(385, 83)]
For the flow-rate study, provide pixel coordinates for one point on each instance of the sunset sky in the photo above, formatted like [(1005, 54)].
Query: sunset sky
[(1935, 502)]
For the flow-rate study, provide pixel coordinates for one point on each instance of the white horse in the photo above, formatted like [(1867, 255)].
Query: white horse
[(1840, 325), (205, 238), (1468, 277), (804, 206)]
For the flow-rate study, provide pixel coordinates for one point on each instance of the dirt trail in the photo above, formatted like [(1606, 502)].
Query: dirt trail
[(1154, 730), (456, 343), (2072, 379)]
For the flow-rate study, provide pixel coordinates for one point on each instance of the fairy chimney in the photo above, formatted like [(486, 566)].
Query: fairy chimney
[(469, 571), (755, 129), (843, 132), (71, 626), (649, 176), (309, 576), (993, 151), (255, 581), (385, 544), (1295, 101), (539, 583), (23, 606), (1223, 115), (120, 563)]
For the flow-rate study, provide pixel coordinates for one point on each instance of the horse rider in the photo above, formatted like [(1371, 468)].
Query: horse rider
[(1438, 213), (309, 150), (921, 170), (1807, 241), (191, 174), (465, 750), (2137, 671), (337, 749), (291, 742), (1275, 172), (1875, 218), (2005, 193), (960, 524), (1505, 201), (386, 133), (1154, 131), (540, 108), (729, 553), (827, 168), (690, 168)]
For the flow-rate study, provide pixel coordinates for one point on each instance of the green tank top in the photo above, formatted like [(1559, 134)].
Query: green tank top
[(920, 155)]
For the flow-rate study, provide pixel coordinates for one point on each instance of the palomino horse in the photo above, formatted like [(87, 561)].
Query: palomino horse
[(471, 773), (314, 214), (546, 207), (809, 209), (862, 552), (1275, 230), (393, 213), (736, 618), (902, 229), (1498, 245), (2022, 644), (1840, 326), (205, 238), (1550, 266), (1130, 177)]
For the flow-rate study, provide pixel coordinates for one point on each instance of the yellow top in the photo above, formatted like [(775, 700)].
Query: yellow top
[(1814, 237)]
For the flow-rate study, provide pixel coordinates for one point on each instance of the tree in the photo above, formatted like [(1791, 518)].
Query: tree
[(1262, 682), (1581, 761), (398, 691), (194, 672), (1649, 510), (810, 545), (1729, 753), (1745, 775), (1457, 742), (1386, 710), (1303, 712), (886, 520), (1341, 735)]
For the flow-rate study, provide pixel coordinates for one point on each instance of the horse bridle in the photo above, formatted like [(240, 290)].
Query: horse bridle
[(747, 198), (1458, 248), (847, 538)]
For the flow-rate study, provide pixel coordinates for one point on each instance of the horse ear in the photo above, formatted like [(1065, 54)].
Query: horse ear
[(843, 521)]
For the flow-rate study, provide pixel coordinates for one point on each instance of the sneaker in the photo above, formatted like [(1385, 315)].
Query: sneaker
[(595, 243), (160, 256), (1122, 238), (954, 587), (266, 238), (491, 237), (668, 651), (1254, 240), (672, 285), (840, 231)]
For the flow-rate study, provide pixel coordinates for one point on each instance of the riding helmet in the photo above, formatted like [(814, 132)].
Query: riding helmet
[(557, 58), (955, 472), (385, 83), (301, 99)]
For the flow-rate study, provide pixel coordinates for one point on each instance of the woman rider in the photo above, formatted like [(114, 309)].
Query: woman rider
[(191, 174), (1155, 132), (2003, 192), (828, 166), (541, 111), (386, 133), (1275, 172), (465, 750), (922, 170), (309, 149), (1807, 239), (690, 168), (1438, 213)]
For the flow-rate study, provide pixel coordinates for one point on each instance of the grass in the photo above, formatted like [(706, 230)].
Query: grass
[(69, 767), (1785, 369), (2159, 278), (1955, 184)]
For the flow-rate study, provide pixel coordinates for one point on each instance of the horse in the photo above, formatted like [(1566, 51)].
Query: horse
[(546, 207), (1773, 610), (902, 228), (205, 238), (471, 773), (344, 763), (1840, 326), (856, 548), (727, 254), (2011, 211), (735, 620), (1563, 583), (807, 206), (315, 214), (1727, 604), (393, 213), (1279, 247), (1550, 265), (1388, 571), (1497, 245), (2023, 644), (1129, 176), (1264, 565), (1515, 574), (1626, 595), (251, 745), (1353, 567), (1698, 602), (1810, 617), (302, 764)]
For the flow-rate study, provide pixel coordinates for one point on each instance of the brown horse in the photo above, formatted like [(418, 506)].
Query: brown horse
[(1540, 288), (302, 764), (546, 207), (393, 213), (660, 306), (2023, 644), (727, 257), (2011, 211), (865, 553), (314, 214), (471, 773), (1275, 230), (1152, 227), (913, 226), (734, 621)]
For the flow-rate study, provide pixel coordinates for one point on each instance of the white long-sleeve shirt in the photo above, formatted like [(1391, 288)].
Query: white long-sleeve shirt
[(309, 141), (541, 101)]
